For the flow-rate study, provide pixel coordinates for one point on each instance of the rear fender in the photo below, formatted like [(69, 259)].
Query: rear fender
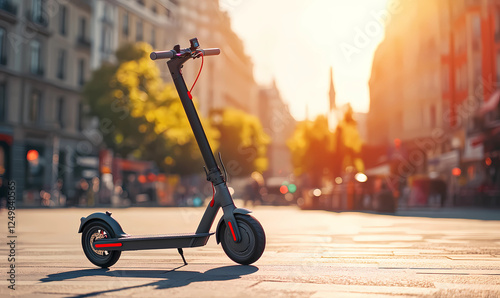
[(106, 217)]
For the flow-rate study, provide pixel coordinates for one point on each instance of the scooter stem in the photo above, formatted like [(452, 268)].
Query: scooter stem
[(214, 175), (223, 197)]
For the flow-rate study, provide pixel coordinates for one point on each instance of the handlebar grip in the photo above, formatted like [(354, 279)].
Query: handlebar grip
[(162, 55), (210, 52)]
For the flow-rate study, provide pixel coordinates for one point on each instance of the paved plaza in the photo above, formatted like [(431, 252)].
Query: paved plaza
[(418, 253)]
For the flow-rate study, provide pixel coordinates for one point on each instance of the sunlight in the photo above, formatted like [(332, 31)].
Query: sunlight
[(297, 42)]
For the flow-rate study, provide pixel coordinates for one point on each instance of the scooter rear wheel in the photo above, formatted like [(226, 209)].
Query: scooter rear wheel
[(94, 231), (252, 244)]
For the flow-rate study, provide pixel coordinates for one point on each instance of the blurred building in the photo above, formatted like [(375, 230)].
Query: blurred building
[(115, 23), (47, 52), (279, 124), (228, 78), (361, 119), (44, 61), (432, 85)]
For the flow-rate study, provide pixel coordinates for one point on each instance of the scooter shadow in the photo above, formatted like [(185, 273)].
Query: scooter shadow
[(170, 278)]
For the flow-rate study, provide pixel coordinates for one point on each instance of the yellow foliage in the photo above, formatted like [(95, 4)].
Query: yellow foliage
[(147, 113)]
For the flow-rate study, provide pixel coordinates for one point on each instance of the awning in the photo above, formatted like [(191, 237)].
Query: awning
[(491, 104), (381, 170)]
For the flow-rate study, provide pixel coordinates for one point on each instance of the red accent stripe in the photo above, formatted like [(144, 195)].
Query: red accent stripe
[(108, 245), (232, 231), (213, 196)]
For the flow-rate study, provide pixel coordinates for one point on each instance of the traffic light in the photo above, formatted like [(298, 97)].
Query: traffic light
[(32, 155), (287, 187)]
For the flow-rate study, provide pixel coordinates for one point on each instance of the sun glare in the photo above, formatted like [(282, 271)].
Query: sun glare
[(297, 42)]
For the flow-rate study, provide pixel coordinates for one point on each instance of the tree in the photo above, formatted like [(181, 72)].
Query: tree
[(349, 143), (311, 146), (243, 143), (318, 152), (140, 115)]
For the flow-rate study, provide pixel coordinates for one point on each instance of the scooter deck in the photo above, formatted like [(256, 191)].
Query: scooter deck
[(153, 241)]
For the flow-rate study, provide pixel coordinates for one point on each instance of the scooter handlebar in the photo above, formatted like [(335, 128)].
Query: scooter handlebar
[(210, 52), (172, 53), (162, 55)]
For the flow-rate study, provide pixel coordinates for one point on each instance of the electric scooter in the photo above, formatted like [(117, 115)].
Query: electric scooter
[(241, 235)]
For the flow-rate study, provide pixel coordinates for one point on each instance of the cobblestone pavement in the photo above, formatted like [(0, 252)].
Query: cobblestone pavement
[(423, 253)]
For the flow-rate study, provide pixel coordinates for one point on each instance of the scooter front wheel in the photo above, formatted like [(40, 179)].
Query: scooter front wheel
[(252, 244), (92, 232)]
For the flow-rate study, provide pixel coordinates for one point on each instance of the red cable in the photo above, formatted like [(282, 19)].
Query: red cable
[(199, 72)]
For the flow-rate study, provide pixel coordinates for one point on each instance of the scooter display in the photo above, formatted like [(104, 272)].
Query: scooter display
[(241, 235)]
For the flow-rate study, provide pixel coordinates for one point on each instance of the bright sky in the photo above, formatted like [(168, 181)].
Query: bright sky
[(296, 42)]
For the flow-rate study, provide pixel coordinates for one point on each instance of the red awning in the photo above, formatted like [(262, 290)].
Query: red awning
[(491, 104)]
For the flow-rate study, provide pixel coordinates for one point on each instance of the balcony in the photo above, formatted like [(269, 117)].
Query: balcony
[(39, 20), (106, 20), (38, 23), (83, 42), (38, 71)]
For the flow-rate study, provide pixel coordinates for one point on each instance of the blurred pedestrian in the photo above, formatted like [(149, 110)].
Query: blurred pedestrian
[(80, 194), (253, 189), (58, 196), (385, 200)]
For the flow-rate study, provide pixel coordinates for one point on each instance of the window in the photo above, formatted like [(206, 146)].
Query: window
[(125, 24), (3, 56), (3, 102), (433, 116), (153, 37), (60, 112), (476, 32), (464, 77), (61, 63), (82, 30), (62, 20), (34, 106), (81, 72), (8, 6), (498, 66), (81, 115), (105, 13), (138, 34), (446, 78), (497, 24), (35, 53), (36, 10), (106, 40)]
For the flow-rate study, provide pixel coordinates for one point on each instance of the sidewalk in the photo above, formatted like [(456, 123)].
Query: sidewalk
[(450, 212)]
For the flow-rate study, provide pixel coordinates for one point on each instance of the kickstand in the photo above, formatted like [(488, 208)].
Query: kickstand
[(181, 252)]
